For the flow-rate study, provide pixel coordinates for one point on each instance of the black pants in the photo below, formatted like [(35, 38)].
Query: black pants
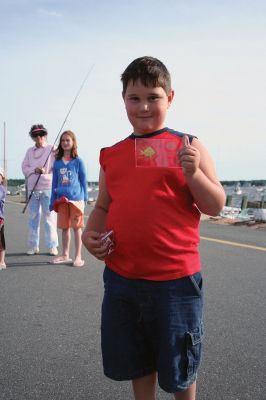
[(2, 237)]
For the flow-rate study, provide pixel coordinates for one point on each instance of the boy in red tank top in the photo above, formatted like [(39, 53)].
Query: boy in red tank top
[(153, 186)]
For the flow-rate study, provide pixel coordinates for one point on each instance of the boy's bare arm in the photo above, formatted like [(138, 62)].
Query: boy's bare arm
[(201, 177), (96, 224)]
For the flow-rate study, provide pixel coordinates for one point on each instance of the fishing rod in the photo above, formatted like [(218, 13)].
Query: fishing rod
[(60, 130)]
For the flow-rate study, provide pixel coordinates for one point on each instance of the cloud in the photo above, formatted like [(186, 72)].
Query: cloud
[(49, 13)]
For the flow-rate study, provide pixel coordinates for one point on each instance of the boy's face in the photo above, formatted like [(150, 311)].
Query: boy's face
[(146, 107)]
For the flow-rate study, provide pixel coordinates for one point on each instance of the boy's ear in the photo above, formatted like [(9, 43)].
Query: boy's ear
[(170, 97)]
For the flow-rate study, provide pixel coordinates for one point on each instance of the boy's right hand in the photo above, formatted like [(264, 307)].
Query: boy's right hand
[(93, 243)]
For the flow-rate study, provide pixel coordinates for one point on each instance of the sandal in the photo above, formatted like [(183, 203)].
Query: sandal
[(78, 264), (61, 260)]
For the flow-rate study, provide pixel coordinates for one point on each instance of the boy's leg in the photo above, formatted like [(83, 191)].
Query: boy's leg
[(179, 315), (188, 394), (126, 354), (145, 388), (49, 220), (34, 221)]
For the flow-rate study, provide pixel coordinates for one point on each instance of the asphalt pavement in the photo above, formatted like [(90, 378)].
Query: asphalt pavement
[(50, 321)]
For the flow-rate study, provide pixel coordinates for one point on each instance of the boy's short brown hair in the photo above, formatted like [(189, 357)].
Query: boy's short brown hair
[(151, 72)]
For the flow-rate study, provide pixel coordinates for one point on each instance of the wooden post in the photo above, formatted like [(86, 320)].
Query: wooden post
[(244, 202), (228, 202)]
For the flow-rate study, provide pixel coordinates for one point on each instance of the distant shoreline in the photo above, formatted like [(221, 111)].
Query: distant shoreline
[(13, 182)]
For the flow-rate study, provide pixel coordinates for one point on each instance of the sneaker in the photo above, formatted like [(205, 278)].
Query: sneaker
[(2, 266), (31, 252), (53, 251)]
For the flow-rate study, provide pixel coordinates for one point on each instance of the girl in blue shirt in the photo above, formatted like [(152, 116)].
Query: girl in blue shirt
[(69, 196)]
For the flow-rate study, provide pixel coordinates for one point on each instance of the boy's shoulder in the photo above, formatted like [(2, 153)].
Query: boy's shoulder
[(175, 132), (181, 134)]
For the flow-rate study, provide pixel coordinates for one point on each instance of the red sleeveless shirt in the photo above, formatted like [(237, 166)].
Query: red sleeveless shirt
[(152, 212)]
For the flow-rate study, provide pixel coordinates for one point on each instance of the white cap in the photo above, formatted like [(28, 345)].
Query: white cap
[(2, 172)]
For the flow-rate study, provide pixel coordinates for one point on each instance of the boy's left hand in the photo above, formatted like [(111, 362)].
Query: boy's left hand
[(189, 157)]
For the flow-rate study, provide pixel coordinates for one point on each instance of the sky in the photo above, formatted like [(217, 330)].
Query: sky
[(214, 50)]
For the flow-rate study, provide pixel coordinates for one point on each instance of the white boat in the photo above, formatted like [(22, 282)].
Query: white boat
[(230, 212), (93, 192), (260, 214), (248, 214), (237, 189)]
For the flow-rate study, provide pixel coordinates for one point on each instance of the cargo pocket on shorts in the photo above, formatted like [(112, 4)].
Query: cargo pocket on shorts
[(196, 281), (193, 351)]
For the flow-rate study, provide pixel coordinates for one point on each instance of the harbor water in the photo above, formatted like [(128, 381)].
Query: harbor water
[(251, 193)]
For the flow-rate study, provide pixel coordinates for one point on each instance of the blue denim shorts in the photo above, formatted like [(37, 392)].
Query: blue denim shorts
[(150, 326)]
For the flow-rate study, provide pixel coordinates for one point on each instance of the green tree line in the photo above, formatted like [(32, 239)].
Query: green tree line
[(18, 182)]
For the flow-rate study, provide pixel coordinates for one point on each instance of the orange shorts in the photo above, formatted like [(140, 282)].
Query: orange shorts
[(69, 216)]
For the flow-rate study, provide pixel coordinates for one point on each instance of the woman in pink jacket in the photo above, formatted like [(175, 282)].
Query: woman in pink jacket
[(37, 164)]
